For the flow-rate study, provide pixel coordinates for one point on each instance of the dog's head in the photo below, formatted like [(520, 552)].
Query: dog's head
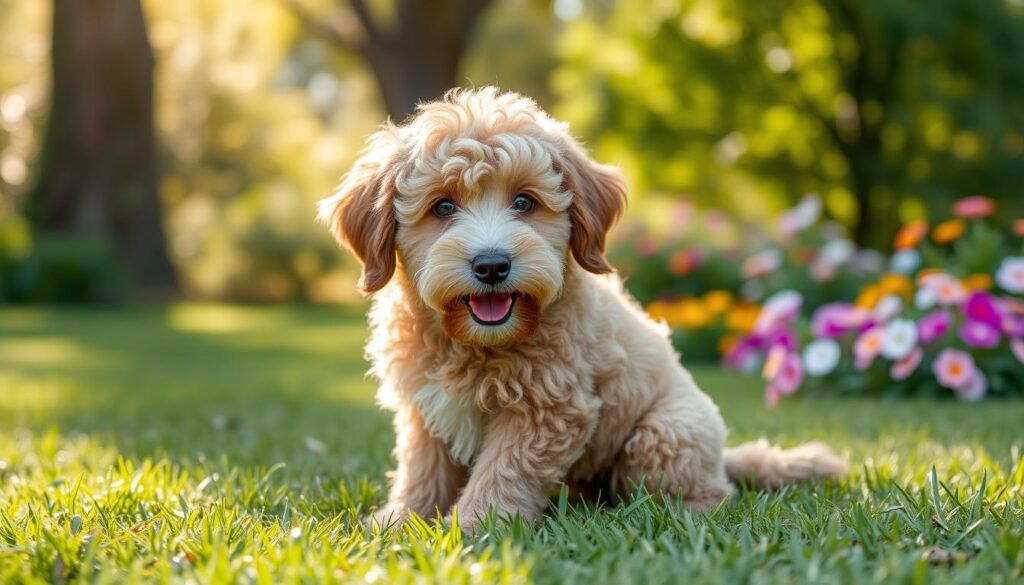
[(482, 200)]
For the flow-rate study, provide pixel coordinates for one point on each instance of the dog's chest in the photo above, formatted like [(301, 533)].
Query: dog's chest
[(455, 420)]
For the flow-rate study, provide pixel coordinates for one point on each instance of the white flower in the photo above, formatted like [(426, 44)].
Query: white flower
[(821, 357), (900, 339), (808, 211), (925, 298), (838, 252), (905, 261), (888, 307), (1010, 275), (870, 261)]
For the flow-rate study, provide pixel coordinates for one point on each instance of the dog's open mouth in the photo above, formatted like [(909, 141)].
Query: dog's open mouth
[(492, 308)]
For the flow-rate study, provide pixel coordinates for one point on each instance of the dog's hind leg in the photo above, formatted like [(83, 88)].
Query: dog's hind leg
[(676, 449)]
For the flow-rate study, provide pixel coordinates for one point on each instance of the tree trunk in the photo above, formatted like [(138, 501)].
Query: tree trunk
[(99, 176)]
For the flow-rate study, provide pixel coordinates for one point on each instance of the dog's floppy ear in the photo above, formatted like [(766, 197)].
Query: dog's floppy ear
[(598, 199), (361, 212)]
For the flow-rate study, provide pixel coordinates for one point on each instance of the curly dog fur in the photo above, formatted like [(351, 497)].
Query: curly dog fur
[(575, 383)]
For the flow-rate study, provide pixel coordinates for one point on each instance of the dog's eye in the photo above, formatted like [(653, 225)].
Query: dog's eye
[(444, 208), (522, 203)]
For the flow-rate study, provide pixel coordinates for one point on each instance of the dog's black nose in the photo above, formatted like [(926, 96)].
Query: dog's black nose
[(491, 268)]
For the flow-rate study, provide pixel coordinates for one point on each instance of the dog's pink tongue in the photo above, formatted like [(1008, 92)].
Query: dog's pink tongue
[(491, 306)]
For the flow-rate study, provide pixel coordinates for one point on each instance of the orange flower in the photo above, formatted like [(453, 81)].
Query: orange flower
[(727, 342), (949, 231), (1018, 228), (679, 263), (718, 301), (978, 282), (911, 235), (974, 207), (896, 284), (869, 297)]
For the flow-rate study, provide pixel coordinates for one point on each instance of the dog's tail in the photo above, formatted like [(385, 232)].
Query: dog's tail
[(764, 466)]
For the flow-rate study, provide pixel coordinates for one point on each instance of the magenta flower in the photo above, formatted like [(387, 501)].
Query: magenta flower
[(979, 335), (955, 369), (782, 338), (744, 355), (982, 307), (836, 319), (906, 367), (867, 347), (934, 326)]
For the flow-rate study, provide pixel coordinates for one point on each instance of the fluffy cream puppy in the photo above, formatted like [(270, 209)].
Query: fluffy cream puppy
[(506, 346)]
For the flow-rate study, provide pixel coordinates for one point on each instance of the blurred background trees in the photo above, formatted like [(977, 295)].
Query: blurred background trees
[(97, 176), (889, 111)]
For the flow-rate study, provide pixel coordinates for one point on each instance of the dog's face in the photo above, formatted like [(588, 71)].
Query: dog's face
[(482, 201)]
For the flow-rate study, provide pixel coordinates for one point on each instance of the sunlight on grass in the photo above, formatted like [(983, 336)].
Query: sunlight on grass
[(51, 351), (147, 446), (215, 318)]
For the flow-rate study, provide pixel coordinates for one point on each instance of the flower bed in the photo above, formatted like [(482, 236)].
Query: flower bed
[(949, 320)]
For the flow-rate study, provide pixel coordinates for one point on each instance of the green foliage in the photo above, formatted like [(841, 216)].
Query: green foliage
[(216, 444), (54, 268), (886, 109)]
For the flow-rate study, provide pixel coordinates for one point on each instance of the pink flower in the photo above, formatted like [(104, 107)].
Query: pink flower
[(780, 310), (955, 369), (1012, 326), (867, 347), (784, 370), (836, 319), (934, 326), (974, 207), (771, 395), (975, 389), (647, 246), (979, 335), (762, 263), (948, 291), (1017, 347), (905, 367)]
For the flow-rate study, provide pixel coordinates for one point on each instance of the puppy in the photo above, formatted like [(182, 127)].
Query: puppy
[(511, 355)]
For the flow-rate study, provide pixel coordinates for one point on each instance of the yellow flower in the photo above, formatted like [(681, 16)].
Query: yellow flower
[(896, 284), (949, 231), (658, 310), (742, 317), (692, 314), (718, 301), (978, 282), (869, 297)]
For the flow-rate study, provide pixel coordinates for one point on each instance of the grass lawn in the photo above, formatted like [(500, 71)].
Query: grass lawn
[(209, 444)]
